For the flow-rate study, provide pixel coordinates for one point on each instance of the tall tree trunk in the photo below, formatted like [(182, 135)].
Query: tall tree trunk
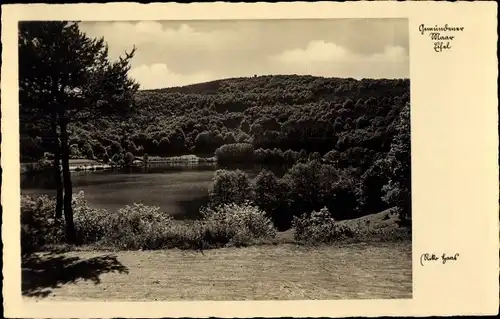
[(57, 169), (68, 188)]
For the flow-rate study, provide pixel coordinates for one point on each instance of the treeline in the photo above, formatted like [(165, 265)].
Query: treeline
[(298, 114)]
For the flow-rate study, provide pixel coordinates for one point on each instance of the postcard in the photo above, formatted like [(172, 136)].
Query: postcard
[(250, 160)]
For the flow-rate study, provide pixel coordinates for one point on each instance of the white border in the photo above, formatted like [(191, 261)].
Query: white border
[(454, 157)]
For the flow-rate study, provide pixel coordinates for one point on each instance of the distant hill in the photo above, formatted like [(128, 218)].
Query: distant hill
[(277, 82), (284, 112)]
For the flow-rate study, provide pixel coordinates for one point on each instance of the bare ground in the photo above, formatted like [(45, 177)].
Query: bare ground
[(284, 271)]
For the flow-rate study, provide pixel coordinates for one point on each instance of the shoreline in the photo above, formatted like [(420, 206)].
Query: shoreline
[(95, 165)]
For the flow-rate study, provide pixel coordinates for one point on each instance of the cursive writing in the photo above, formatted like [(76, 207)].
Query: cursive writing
[(427, 257), (440, 36), (422, 28), (445, 258)]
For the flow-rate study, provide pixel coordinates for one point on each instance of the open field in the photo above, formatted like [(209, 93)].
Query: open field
[(382, 270)]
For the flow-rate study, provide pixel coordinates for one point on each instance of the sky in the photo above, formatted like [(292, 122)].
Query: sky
[(176, 53)]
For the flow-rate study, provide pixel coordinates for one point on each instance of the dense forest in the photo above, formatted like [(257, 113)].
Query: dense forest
[(351, 119)]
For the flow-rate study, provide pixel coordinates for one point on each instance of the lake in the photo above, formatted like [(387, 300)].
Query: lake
[(179, 190)]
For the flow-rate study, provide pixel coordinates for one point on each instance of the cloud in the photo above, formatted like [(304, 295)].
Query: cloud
[(316, 51), (329, 59), (145, 33), (171, 53), (158, 75)]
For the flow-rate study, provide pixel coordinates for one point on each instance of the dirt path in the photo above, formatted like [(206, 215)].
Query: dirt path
[(259, 272)]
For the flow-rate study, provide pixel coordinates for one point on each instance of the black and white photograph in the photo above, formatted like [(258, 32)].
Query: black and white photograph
[(215, 159)]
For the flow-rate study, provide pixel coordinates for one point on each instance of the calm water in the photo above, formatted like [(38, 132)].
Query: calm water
[(179, 190)]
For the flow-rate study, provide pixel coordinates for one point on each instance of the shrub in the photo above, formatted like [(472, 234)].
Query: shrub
[(236, 225), (319, 227), (89, 222), (136, 226), (38, 225), (139, 226)]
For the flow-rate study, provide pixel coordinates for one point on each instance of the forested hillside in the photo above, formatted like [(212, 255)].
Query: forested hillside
[(346, 142), (298, 113)]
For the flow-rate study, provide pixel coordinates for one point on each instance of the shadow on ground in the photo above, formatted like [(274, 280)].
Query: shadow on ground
[(41, 273)]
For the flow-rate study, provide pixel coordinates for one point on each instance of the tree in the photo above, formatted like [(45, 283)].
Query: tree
[(271, 196), (66, 77), (398, 166), (129, 158), (230, 187)]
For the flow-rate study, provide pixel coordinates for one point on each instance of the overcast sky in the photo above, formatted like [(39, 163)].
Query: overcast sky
[(174, 53)]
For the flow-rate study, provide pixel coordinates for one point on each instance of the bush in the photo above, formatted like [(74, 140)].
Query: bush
[(230, 187), (319, 227), (38, 225), (89, 222), (136, 226), (236, 225), (133, 227), (139, 226)]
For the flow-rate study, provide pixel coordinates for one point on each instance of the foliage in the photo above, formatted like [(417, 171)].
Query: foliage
[(140, 226), (89, 221), (271, 195), (136, 226), (313, 185), (66, 77), (398, 162), (236, 225), (238, 152), (284, 112), (38, 225), (319, 227), (230, 187), (345, 138)]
